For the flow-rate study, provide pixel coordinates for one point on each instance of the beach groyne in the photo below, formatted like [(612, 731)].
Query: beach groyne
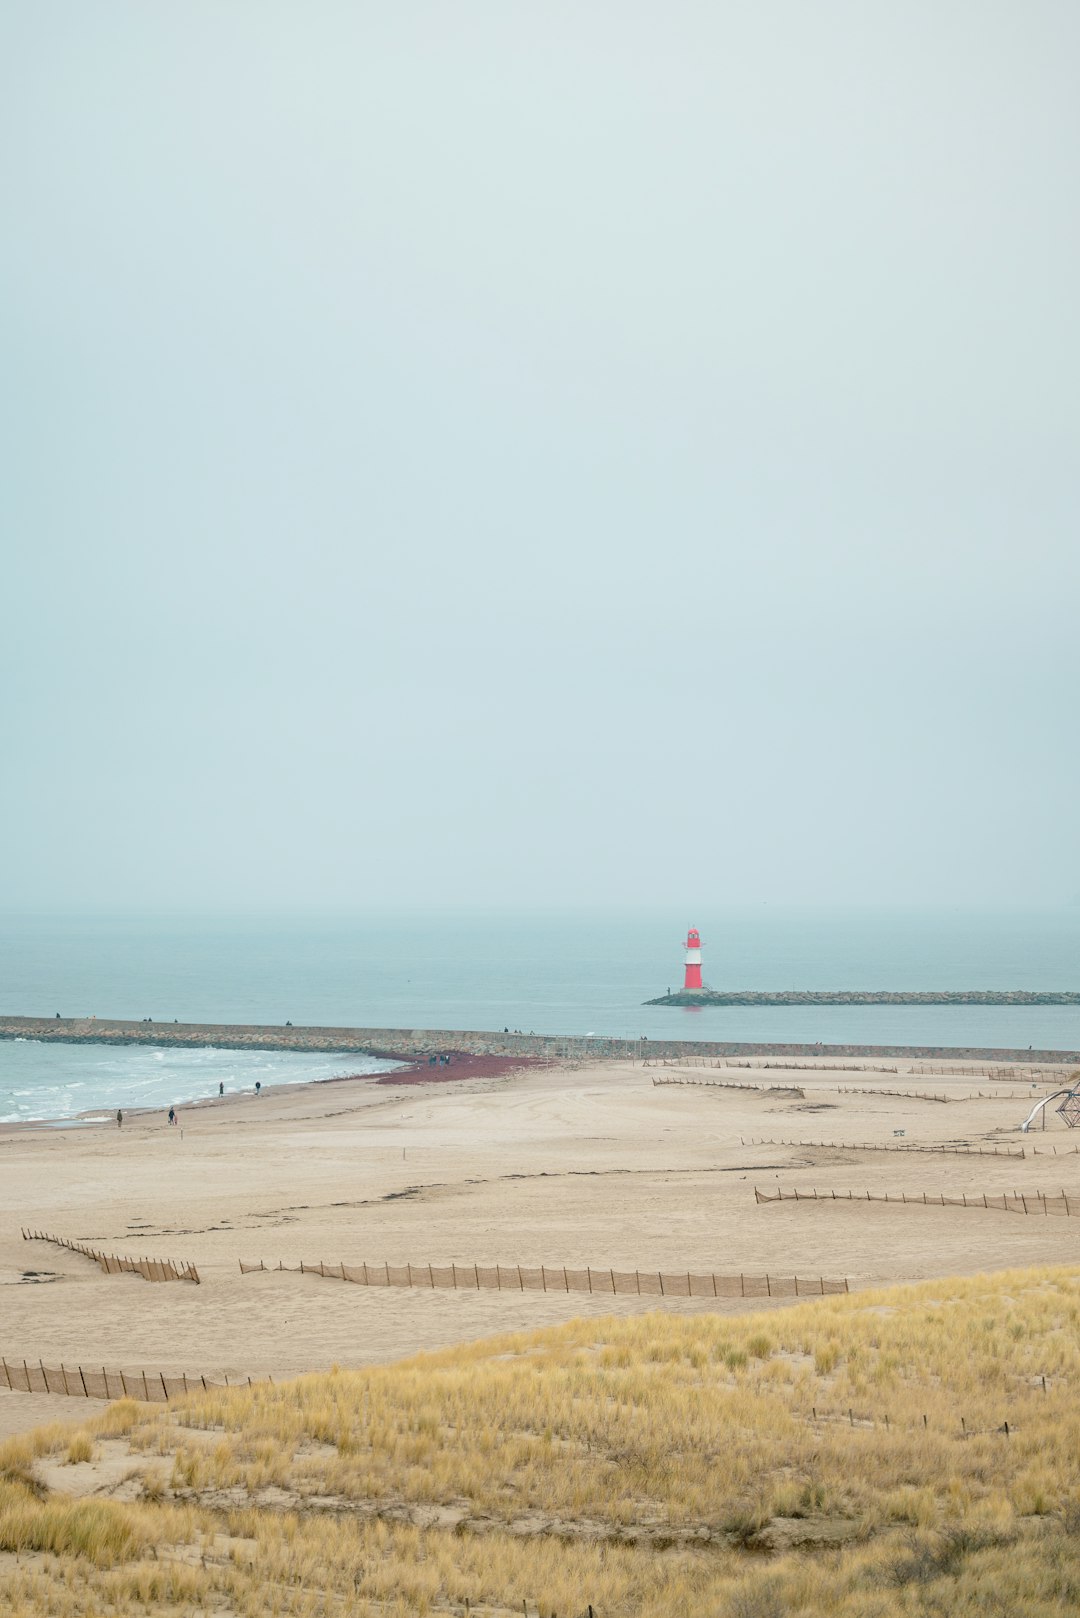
[(418, 1044)]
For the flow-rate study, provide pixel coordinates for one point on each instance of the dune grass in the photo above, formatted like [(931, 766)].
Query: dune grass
[(646, 1464)]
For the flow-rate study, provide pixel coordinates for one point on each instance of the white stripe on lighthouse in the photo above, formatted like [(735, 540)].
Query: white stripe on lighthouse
[(693, 957)]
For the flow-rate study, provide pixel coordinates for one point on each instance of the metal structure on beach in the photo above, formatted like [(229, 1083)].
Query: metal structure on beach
[(1069, 1108)]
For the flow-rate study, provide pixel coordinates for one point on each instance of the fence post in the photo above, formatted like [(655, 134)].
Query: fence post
[(145, 1388), (164, 1389), (63, 1373), (82, 1379)]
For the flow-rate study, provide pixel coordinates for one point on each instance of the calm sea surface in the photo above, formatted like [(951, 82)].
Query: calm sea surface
[(542, 974)]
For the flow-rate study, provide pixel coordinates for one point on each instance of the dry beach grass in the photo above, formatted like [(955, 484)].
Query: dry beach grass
[(651, 1464)]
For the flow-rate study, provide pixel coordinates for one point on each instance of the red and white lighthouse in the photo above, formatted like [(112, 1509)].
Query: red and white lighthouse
[(692, 980)]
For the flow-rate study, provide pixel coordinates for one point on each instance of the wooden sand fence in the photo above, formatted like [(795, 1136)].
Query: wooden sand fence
[(560, 1278), (725, 1084), (151, 1269), (1036, 1073), (793, 1066), (97, 1382), (955, 1070), (902, 1146), (841, 1089), (1021, 1202)]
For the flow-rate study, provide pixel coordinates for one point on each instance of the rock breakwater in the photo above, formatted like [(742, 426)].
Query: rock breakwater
[(869, 997)]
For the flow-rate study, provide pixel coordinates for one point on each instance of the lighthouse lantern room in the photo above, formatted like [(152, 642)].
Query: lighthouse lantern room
[(692, 979)]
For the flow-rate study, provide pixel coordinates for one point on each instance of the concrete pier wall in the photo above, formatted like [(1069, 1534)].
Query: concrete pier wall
[(410, 1044)]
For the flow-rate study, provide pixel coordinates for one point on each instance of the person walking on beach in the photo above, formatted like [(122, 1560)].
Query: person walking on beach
[(172, 1115), (119, 1118), (221, 1089), (258, 1086)]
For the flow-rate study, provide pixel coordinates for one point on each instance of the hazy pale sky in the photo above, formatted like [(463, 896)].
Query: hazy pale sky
[(602, 453)]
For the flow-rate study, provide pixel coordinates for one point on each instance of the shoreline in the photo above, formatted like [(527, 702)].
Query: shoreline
[(405, 1073)]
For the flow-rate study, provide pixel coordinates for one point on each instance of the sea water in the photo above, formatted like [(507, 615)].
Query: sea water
[(544, 974), (43, 1080)]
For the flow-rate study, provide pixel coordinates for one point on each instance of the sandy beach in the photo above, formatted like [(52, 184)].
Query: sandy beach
[(597, 1165)]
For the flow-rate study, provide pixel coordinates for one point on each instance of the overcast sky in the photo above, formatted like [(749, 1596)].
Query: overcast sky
[(573, 453)]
